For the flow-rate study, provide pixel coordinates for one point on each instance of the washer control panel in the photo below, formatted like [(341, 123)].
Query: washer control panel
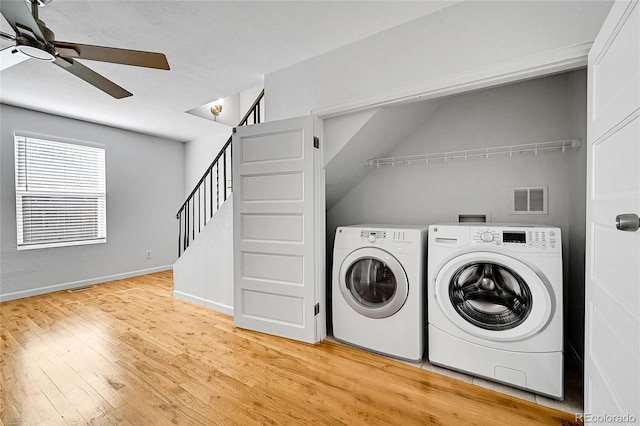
[(528, 238)]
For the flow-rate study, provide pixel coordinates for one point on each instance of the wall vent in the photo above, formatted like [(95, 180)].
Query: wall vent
[(529, 200), (85, 288)]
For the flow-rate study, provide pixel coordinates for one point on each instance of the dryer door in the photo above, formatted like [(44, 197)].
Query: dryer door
[(373, 282), (494, 296)]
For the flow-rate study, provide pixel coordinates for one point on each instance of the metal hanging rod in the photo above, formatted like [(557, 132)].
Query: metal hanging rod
[(480, 152)]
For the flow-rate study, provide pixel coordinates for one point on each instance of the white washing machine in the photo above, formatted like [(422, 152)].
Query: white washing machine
[(377, 289), (495, 303)]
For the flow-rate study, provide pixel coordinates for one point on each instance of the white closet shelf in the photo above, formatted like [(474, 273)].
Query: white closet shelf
[(480, 152)]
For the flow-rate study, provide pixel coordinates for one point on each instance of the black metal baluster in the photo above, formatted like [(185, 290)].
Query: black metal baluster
[(231, 167), (193, 221), (179, 234), (224, 175), (199, 208), (186, 246), (217, 186), (211, 191)]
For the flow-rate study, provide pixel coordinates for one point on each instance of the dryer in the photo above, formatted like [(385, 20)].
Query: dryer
[(378, 289), (495, 303)]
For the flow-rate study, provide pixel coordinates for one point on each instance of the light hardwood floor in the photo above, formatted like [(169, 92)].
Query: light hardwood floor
[(129, 353)]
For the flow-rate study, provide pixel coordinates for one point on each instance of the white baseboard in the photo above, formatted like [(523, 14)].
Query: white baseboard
[(189, 298), (82, 283), (219, 307)]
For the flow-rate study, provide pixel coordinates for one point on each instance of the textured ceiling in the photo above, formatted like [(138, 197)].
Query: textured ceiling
[(215, 49)]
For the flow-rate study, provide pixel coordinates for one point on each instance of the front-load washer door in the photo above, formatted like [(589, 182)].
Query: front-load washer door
[(373, 282), (494, 296)]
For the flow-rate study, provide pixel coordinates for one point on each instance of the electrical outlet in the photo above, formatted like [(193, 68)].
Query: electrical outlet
[(148, 254)]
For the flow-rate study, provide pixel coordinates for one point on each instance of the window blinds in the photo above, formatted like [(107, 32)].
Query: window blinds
[(60, 193)]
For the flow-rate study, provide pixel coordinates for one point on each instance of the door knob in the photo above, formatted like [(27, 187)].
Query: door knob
[(628, 222)]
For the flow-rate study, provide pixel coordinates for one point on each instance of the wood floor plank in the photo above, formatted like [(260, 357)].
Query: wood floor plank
[(149, 367), (34, 407), (129, 353)]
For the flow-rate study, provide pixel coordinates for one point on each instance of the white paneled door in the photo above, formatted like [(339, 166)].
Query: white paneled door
[(277, 229), (612, 311)]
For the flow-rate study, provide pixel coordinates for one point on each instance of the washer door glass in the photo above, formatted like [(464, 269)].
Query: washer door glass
[(493, 296), (490, 296), (373, 283)]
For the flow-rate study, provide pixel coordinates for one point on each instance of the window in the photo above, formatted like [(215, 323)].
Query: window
[(60, 193)]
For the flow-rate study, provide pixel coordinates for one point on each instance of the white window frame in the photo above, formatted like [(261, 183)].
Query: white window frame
[(60, 193)]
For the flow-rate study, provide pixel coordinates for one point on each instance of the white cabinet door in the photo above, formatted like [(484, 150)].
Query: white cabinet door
[(277, 214), (612, 309)]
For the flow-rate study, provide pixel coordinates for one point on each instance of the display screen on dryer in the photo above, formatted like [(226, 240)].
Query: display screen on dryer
[(514, 237)]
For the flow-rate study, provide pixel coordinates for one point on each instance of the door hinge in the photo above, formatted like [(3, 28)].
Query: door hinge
[(316, 142), (316, 309)]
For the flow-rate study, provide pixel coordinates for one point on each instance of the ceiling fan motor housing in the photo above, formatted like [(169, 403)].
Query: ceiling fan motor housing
[(35, 49)]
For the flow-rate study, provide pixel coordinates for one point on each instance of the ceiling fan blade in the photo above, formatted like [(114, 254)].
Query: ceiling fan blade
[(92, 77), (18, 15), (137, 58), (8, 58)]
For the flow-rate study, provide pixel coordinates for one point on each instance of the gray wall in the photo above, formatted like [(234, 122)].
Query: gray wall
[(145, 187), (546, 109)]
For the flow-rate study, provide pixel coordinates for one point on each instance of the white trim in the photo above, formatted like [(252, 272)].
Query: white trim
[(61, 244), (219, 307), (75, 284), (536, 65)]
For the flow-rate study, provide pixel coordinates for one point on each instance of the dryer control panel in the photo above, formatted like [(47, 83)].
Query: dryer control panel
[(532, 238), (392, 235), (372, 236)]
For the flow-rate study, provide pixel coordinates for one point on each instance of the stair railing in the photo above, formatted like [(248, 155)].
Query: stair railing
[(213, 188)]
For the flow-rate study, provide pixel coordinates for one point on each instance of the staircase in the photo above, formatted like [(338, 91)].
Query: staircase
[(203, 273), (213, 188)]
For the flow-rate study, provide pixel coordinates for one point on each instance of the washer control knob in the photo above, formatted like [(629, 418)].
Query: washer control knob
[(486, 237), (372, 238)]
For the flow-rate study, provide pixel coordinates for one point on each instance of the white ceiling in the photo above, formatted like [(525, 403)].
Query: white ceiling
[(214, 48)]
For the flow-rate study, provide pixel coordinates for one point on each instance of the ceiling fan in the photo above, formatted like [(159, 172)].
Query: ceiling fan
[(34, 40)]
